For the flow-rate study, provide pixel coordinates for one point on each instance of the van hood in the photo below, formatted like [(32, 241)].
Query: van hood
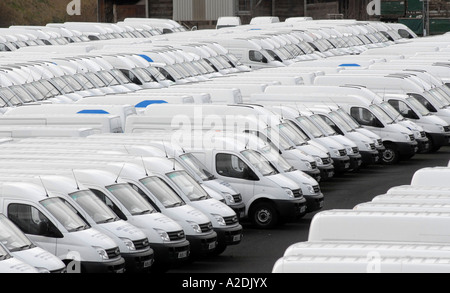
[(302, 178), (38, 257), (123, 229), (220, 185), (356, 136), (213, 206), (368, 133), (283, 181), (14, 265), (344, 141), (186, 213), (95, 238), (156, 221), (312, 150), (214, 193), (330, 143)]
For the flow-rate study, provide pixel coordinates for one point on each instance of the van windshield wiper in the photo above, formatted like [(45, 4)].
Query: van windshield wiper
[(177, 204)]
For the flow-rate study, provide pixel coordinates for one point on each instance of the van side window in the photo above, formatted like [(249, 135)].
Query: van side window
[(232, 166), (31, 221), (103, 197), (256, 56), (365, 117)]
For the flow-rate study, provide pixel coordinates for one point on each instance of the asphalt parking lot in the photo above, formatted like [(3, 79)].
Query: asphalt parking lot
[(260, 249)]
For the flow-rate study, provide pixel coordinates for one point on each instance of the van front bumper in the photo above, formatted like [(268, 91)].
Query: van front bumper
[(314, 202), (239, 209), (291, 210), (101, 267), (440, 139), (315, 173), (138, 262), (423, 145), (407, 150), (171, 254), (326, 172), (341, 164), (203, 244), (370, 157), (229, 235), (355, 162)]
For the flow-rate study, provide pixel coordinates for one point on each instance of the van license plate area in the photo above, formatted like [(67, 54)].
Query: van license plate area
[(148, 263), (236, 238), (212, 245), (182, 254), (347, 165)]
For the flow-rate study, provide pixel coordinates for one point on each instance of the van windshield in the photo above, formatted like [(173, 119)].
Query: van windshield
[(259, 162), (109, 78), (131, 199), (155, 73), (280, 140), (274, 156), (97, 80), (22, 94), (323, 125), (341, 122), (12, 237), (305, 122), (292, 134), (10, 97), (197, 167), (349, 119), (93, 206), (188, 185), (64, 214), (380, 113), (3, 253), (392, 112), (162, 191), (418, 106)]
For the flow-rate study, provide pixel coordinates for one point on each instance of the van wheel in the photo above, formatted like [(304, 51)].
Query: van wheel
[(220, 248), (433, 147), (264, 215), (390, 155)]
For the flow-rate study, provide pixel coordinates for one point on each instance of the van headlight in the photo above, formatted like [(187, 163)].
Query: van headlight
[(289, 192), (101, 252), (318, 161), (349, 150), (129, 244), (219, 219), (228, 197), (195, 226), (336, 153), (310, 189), (163, 234), (307, 164), (367, 145)]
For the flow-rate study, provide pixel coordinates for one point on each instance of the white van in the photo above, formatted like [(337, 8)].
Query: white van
[(385, 226), (53, 226), (132, 242), (431, 176), (269, 196), (371, 263)]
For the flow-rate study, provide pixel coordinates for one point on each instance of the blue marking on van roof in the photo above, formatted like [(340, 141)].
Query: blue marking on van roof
[(93, 112), (349, 65), (146, 58), (146, 103)]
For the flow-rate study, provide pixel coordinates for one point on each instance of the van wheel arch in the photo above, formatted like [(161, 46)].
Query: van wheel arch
[(263, 214)]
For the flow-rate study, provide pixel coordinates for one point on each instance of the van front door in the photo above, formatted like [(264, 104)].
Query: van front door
[(229, 167), (34, 224)]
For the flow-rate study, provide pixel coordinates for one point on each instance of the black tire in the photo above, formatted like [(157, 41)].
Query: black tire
[(390, 155), (264, 215)]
